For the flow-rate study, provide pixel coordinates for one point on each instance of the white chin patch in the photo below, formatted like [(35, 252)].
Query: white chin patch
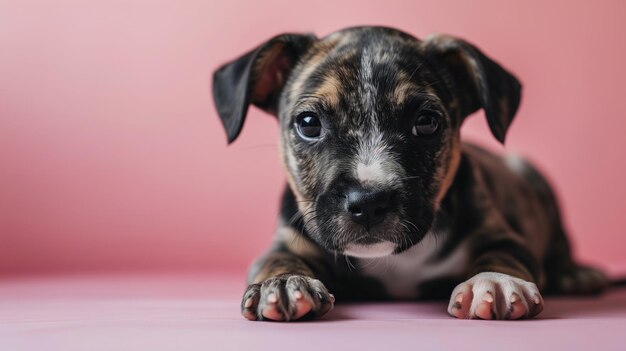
[(384, 248)]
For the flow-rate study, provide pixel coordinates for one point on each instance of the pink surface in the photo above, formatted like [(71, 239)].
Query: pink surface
[(112, 156), (201, 313)]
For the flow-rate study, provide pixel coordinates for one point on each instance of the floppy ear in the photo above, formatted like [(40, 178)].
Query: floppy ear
[(256, 77), (481, 82)]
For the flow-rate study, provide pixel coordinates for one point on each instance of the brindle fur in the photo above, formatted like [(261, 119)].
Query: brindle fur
[(501, 208)]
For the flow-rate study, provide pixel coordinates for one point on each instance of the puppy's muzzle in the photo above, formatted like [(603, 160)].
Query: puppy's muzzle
[(369, 207)]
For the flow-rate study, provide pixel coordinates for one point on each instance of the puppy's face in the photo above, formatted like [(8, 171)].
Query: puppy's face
[(369, 142), (370, 131)]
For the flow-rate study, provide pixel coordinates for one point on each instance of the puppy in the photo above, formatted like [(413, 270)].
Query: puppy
[(384, 201)]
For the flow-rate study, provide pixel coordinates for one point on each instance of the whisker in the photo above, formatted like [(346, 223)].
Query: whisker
[(416, 69), (406, 178), (350, 266), (307, 201)]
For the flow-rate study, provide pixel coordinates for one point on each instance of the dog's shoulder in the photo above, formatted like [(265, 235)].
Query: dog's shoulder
[(497, 173)]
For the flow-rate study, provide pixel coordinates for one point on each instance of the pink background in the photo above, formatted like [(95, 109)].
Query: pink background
[(112, 156)]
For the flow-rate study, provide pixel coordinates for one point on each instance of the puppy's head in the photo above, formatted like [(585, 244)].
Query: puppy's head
[(370, 122)]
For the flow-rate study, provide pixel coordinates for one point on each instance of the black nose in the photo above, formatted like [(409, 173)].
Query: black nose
[(368, 207)]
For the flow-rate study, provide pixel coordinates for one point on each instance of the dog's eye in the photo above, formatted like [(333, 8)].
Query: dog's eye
[(426, 124), (308, 126)]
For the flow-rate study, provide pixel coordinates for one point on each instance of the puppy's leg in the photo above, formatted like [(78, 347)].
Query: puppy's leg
[(563, 274), (284, 288), (501, 284)]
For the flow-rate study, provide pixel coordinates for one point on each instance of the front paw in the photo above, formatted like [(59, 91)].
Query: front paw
[(286, 298), (491, 295)]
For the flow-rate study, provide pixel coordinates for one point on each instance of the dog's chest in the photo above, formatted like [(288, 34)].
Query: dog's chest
[(402, 274)]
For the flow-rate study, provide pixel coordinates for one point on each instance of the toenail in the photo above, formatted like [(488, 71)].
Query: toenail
[(298, 294), (513, 298), (537, 299), (459, 298), (271, 298), (248, 303), (488, 298)]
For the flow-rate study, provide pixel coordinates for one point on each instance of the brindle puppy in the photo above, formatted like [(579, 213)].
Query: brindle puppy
[(384, 200)]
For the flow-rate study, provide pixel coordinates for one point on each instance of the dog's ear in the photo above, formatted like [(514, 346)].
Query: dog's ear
[(481, 81), (256, 77)]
